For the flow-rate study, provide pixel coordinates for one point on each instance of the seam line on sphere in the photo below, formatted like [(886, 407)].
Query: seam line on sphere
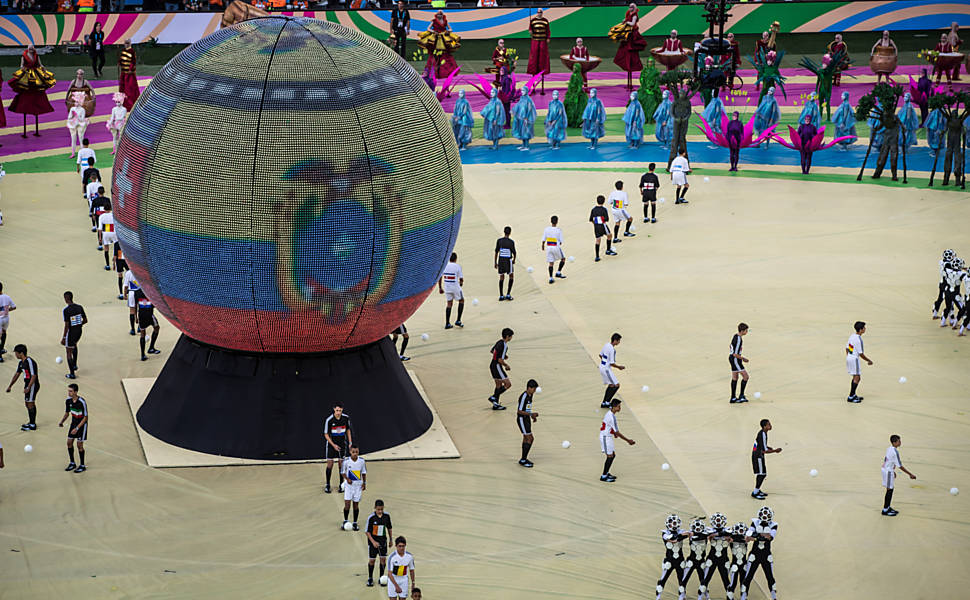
[(362, 39), (252, 188)]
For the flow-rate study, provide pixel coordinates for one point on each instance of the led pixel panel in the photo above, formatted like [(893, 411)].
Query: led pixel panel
[(287, 185)]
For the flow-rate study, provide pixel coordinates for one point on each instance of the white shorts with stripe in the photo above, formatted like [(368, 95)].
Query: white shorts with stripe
[(679, 178), (620, 214), (554, 253), (608, 377), (454, 294), (606, 444), (853, 366), (889, 478), (109, 237)]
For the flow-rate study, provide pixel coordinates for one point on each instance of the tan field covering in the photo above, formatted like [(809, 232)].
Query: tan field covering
[(799, 262)]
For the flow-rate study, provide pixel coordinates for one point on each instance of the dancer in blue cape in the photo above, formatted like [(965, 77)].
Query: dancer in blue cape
[(767, 114), (594, 119), (462, 121), (664, 118), (908, 116), (524, 124), (634, 118), (812, 111), (844, 119), (494, 117), (556, 121)]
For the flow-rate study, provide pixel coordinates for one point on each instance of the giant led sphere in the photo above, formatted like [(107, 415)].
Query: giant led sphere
[(287, 185)]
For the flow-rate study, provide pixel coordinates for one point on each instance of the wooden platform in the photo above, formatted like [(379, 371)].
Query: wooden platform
[(434, 443)]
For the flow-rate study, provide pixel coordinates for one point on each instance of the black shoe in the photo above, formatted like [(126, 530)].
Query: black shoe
[(629, 234), (32, 426), (646, 220), (607, 478), (154, 351), (25, 427), (370, 582), (653, 219), (741, 398), (598, 259), (853, 399), (459, 324), (604, 404), (508, 297), (449, 326), (1, 359), (611, 476), (682, 201), (611, 253), (560, 276), (734, 400), (759, 495), (493, 399), (497, 406), (143, 357), (526, 463), (356, 527), (889, 512), (80, 469), (326, 489), (120, 297), (132, 332), (616, 241), (107, 268), (405, 358), (71, 376), (71, 467), (501, 298)]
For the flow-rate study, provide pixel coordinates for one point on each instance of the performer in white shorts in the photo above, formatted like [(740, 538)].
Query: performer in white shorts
[(106, 225), (354, 472), (889, 464), (609, 429), (552, 245), (854, 352), (130, 286), (6, 305), (679, 168), (619, 203), (400, 566), (450, 285), (607, 362)]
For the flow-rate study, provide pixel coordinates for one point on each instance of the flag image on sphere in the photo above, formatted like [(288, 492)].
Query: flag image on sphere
[(287, 191), (287, 185)]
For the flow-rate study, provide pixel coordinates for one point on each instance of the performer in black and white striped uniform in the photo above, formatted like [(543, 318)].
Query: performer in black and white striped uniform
[(673, 538), (524, 418), (737, 364), (954, 300), (697, 559), (965, 310), (948, 256), (739, 556), (762, 531), (718, 557)]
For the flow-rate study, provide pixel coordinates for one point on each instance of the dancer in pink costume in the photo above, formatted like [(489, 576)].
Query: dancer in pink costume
[(117, 119), (77, 121)]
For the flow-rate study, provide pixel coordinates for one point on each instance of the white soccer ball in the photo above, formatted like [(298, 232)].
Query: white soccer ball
[(383, 579), (566, 444), (425, 336), (954, 491), (539, 389), (529, 269), (757, 395), (348, 526), (59, 359), (28, 448), (645, 388), (813, 473), (707, 180), (633, 227), (475, 302), (902, 380), (572, 259), (665, 467), (662, 200)]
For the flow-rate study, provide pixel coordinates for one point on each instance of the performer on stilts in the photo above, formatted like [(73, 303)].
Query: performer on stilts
[(540, 33), (835, 47), (31, 82), (440, 43), (127, 75), (555, 121), (77, 122), (631, 44), (953, 38)]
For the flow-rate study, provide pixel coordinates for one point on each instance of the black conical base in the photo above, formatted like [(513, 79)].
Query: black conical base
[(272, 407)]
